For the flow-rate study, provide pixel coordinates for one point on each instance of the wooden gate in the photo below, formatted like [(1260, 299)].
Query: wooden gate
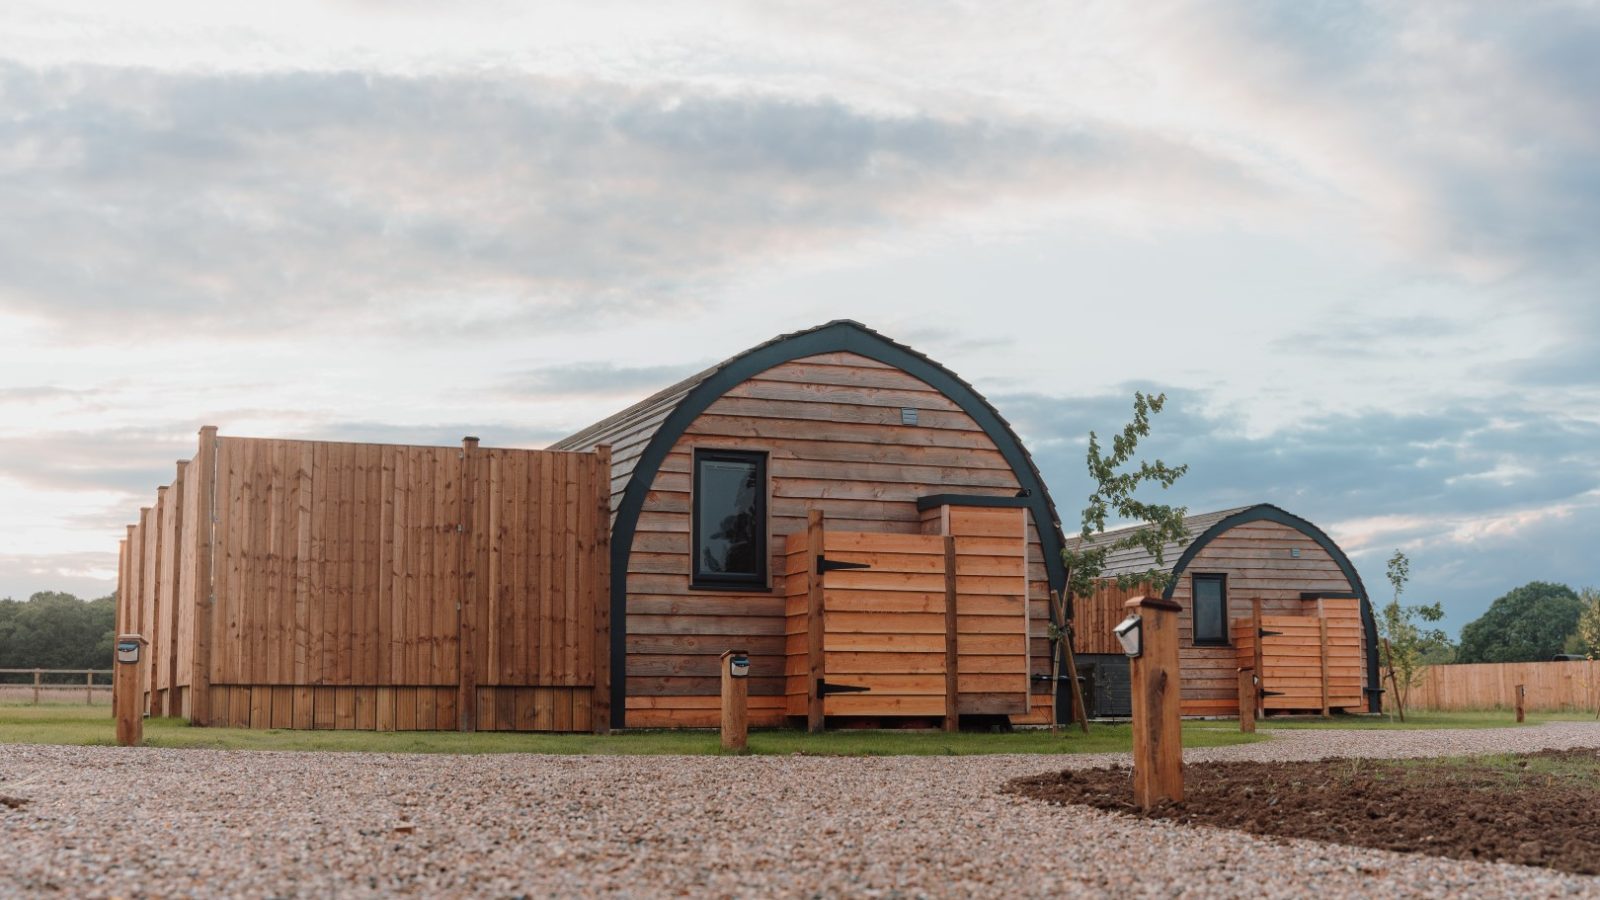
[(925, 625), (1305, 662)]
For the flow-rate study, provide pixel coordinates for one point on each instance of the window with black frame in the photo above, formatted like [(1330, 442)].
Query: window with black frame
[(1211, 609), (729, 519)]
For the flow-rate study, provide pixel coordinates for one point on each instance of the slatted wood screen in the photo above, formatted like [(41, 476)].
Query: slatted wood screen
[(885, 626), (1312, 662), (377, 586)]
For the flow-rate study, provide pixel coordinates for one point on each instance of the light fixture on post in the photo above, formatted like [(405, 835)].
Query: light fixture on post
[(1131, 633)]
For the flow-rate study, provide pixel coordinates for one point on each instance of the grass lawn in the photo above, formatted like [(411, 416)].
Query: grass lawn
[(1473, 719), (66, 724)]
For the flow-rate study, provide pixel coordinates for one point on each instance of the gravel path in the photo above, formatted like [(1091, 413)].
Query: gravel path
[(109, 822)]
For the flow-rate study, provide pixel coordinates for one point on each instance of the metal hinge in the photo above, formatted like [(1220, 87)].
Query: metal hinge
[(461, 529), (824, 688), (825, 564)]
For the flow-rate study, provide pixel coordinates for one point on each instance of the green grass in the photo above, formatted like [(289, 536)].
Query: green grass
[(1508, 772), (83, 725), (1414, 720)]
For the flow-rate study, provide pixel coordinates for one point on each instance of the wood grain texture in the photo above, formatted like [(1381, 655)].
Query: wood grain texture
[(1257, 559), (832, 430), (337, 567)]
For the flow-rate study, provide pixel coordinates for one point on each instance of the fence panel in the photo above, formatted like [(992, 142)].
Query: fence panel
[(1566, 686)]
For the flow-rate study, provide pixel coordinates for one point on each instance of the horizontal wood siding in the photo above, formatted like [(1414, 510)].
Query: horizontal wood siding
[(831, 426), (1258, 561), (992, 627)]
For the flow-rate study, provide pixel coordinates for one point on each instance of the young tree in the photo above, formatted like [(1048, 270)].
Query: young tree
[(1113, 495), (1405, 643), (1588, 633)]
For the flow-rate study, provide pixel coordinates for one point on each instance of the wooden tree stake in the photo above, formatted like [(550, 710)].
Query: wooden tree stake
[(1522, 696)]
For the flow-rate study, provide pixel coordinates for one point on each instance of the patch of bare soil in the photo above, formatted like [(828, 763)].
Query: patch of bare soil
[(1532, 809)]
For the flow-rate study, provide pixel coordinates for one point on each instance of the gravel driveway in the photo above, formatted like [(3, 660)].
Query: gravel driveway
[(112, 822)]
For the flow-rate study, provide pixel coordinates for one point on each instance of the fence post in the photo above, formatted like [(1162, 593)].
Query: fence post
[(129, 702), (814, 623), (201, 593), (37, 674), (1247, 700), (88, 688), (1522, 693), (467, 592)]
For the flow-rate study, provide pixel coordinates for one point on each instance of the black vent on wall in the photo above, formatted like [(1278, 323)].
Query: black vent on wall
[(908, 415)]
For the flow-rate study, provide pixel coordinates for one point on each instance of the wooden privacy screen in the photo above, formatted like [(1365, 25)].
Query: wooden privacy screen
[(888, 635), (376, 586), (1306, 662), (1552, 686)]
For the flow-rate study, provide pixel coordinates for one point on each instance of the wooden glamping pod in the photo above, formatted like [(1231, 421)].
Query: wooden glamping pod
[(1243, 573), (847, 510)]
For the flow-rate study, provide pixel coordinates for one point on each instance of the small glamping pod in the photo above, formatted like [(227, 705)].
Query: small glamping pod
[(1261, 588), (848, 511)]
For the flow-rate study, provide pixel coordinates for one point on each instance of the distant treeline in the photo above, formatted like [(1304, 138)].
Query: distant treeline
[(55, 630)]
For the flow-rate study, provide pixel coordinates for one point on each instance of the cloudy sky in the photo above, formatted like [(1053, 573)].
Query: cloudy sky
[(1354, 243)]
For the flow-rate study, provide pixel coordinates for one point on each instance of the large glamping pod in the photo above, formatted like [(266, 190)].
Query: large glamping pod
[(1260, 588), (920, 592)]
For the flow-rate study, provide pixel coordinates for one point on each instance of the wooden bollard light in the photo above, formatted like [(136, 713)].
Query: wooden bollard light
[(735, 700), (1149, 637), (131, 684)]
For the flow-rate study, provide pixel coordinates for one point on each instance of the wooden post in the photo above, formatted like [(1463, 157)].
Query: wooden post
[(1261, 674), (1157, 726), (130, 708), (201, 593), (173, 706), (467, 619), (1322, 656), (952, 658), (814, 623), (735, 700), (1247, 700), (37, 674), (602, 600), (88, 688), (1522, 695)]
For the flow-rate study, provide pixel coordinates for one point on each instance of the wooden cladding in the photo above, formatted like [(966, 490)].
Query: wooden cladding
[(830, 425), (886, 629), (1309, 662), (1552, 686), (376, 566)]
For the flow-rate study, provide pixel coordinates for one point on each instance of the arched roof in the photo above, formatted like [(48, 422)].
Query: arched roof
[(643, 434)]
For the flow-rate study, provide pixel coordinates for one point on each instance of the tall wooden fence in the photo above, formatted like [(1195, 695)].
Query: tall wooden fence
[(1567, 686), (298, 584)]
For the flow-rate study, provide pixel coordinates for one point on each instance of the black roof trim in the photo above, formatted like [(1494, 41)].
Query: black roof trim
[(934, 501), (839, 336)]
